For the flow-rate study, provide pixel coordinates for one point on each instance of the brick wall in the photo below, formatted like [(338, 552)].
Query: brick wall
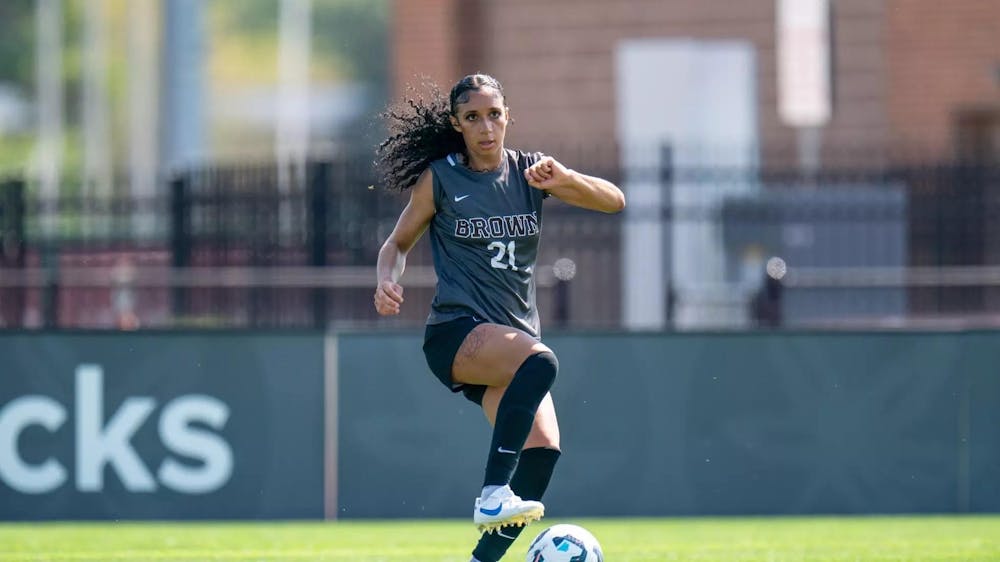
[(556, 60), (943, 58), (425, 43)]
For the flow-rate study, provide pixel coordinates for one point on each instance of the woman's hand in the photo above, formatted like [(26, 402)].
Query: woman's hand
[(548, 173), (580, 190), (388, 297)]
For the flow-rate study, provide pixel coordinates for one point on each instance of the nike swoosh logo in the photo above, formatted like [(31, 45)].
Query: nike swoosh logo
[(457, 198), (491, 512), (506, 536), (507, 451)]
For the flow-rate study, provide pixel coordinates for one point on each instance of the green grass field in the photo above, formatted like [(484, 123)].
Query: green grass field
[(895, 539)]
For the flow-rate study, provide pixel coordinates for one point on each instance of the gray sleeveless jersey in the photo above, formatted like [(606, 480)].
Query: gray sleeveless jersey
[(484, 239)]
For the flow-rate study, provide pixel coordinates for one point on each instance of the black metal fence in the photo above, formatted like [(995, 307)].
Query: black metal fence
[(257, 246)]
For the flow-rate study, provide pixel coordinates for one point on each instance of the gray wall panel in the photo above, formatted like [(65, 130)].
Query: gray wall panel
[(672, 424), (981, 443), (408, 447)]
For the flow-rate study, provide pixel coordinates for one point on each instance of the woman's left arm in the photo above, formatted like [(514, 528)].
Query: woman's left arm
[(577, 189)]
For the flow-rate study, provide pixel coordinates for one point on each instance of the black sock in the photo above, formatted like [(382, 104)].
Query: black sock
[(516, 413), (529, 481)]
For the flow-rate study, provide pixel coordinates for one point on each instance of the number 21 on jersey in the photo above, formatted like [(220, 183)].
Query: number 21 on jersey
[(502, 250)]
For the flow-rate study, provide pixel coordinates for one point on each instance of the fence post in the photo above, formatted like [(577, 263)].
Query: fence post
[(12, 249), (562, 303), (180, 240), (50, 294), (766, 305), (319, 179)]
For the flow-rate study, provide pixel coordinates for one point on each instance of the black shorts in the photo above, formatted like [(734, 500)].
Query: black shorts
[(441, 343)]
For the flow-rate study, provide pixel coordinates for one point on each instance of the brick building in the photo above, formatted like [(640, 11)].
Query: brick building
[(908, 75), (913, 82)]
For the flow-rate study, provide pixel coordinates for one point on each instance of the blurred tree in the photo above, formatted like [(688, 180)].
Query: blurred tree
[(358, 32), (17, 74), (351, 35), (348, 63), (17, 34), (18, 29), (17, 47)]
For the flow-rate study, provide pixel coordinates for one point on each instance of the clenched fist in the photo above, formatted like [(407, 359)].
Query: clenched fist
[(388, 297)]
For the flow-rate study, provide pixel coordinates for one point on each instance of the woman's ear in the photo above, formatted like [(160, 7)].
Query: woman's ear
[(510, 117), (454, 123)]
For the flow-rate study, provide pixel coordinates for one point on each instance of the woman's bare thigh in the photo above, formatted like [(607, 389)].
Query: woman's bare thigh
[(491, 354)]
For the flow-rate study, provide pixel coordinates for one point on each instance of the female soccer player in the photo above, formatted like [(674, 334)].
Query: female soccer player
[(483, 204)]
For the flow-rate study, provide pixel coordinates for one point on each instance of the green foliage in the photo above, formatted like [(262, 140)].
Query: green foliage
[(17, 39), (17, 44), (350, 43), (14, 154), (254, 17), (357, 31), (352, 32)]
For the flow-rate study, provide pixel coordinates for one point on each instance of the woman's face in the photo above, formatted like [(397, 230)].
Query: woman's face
[(481, 117)]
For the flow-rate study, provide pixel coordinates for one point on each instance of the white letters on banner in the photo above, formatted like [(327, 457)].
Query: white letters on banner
[(99, 444)]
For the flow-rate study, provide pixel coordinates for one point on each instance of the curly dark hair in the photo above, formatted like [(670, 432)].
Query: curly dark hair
[(420, 131)]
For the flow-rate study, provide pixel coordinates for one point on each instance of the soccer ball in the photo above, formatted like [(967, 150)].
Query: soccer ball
[(565, 543)]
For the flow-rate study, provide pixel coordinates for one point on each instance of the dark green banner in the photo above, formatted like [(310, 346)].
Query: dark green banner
[(681, 424), (159, 425)]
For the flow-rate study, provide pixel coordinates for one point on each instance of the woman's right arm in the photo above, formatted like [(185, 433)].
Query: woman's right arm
[(412, 223)]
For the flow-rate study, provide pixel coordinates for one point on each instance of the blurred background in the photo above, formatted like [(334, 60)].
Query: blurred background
[(178, 163), (803, 287)]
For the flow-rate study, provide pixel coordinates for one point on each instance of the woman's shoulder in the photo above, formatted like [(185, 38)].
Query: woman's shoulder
[(448, 160), (522, 159)]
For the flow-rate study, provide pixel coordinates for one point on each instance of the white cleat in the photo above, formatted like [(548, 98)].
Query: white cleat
[(504, 508)]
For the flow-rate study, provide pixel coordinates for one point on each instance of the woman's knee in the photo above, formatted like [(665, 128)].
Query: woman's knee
[(548, 360), (542, 367)]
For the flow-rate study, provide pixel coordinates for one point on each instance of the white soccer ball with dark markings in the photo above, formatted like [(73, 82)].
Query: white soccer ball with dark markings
[(565, 543)]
